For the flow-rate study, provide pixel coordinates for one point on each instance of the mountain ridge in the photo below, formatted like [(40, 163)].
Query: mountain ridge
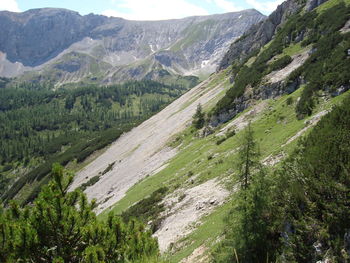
[(129, 49), (261, 33)]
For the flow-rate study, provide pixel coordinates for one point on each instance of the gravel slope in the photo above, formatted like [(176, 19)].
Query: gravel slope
[(182, 216), (143, 150)]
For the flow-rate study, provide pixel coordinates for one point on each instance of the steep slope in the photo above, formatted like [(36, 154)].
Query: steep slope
[(186, 177), (260, 34), (295, 56), (141, 152), (206, 160), (115, 49)]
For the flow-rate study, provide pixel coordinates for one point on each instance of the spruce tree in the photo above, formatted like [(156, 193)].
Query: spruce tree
[(247, 222), (198, 118), (248, 157)]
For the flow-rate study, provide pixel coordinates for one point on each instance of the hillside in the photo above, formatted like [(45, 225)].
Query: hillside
[(60, 46), (250, 165), (201, 170), (40, 126)]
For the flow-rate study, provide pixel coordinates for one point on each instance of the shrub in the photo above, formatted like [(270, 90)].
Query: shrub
[(281, 63)]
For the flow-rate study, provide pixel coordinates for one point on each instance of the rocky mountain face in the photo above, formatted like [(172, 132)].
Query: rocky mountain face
[(252, 44), (260, 34), (62, 46)]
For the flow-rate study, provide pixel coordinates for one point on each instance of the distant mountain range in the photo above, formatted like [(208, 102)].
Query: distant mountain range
[(61, 46)]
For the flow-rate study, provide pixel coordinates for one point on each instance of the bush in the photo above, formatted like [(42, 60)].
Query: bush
[(92, 181), (109, 168), (148, 209), (290, 101), (221, 140), (60, 226), (281, 63)]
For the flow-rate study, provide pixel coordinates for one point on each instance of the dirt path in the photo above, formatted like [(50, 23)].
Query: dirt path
[(182, 215), (311, 123), (143, 150)]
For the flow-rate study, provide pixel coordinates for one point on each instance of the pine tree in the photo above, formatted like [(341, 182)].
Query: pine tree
[(61, 227), (247, 223), (248, 157), (198, 118)]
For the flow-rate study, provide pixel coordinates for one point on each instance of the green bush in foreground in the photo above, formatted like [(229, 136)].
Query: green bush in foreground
[(61, 226)]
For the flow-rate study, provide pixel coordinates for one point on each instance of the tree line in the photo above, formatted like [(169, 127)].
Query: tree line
[(40, 125)]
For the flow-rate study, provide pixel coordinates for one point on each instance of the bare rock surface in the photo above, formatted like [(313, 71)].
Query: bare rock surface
[(181, 217), (242, 121), (124, 49), (279, 75), (142, 151), (346, 28)]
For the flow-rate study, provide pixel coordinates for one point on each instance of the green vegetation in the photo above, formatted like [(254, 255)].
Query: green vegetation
[(281, 63), (92, 181), (40, 126), (61, 227), (148, 209), (3, 82), (109, 168), (284, 214), (247, 222), (280, 214), (192, 160), (198, 118), (319, 29), (248, 158)]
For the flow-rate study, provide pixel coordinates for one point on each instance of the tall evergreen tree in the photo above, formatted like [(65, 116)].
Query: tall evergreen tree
[(198, 118), (247, 223), (248, 157)]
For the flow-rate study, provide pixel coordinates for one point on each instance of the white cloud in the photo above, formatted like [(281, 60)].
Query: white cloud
[(227, 6), (9, 5), (154, 9), (265, 7)]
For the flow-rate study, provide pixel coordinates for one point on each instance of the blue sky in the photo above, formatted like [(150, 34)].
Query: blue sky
[(145, 9)]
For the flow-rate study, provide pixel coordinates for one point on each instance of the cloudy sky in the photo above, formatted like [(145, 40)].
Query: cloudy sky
[(145, 9)]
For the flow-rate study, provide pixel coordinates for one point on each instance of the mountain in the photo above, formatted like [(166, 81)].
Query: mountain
[(261, 33), (185, 182), (262, 177), (62, 46)]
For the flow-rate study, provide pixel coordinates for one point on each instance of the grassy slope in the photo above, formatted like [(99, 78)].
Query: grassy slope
[(273, 127), (269, 144)]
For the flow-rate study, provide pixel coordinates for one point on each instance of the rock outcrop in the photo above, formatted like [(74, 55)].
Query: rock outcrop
[(38, 40), (35, 36), (260, 34)]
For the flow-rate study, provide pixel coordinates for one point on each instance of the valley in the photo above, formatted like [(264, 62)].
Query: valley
[(222, 142)]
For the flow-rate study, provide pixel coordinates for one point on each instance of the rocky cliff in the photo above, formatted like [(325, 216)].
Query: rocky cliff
[(260, 34), (113, 49)]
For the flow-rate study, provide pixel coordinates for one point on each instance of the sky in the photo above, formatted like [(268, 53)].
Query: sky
[(145, 9)]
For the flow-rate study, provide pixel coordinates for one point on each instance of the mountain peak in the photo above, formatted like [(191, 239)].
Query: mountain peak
[(130, 49)]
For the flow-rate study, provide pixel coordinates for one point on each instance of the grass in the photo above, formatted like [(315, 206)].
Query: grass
[(212, 226), (294, 49), (193, 34), (273, 127), (320, 9)]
